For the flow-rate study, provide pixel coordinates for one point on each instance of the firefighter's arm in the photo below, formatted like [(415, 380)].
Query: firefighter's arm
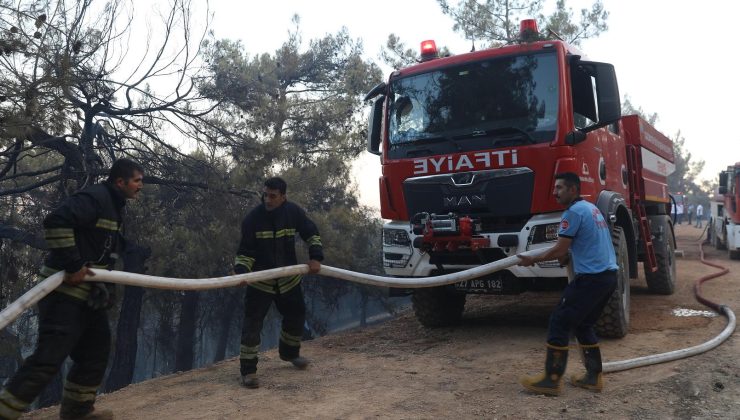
[(558, 251), (310, 234), (245, 255), (78, 211)]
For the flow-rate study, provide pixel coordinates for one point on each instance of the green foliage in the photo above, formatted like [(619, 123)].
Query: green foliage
[(494, 23), (296, 112), (629, 109), (591, 24), (685, 179), (296, 105)]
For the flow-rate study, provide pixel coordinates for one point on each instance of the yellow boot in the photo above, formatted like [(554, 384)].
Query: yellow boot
[(593, 378), (550, 382)]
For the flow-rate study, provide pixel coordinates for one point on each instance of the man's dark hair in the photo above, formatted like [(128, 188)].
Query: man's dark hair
[(277, 183), (570, 179), (123, 168)]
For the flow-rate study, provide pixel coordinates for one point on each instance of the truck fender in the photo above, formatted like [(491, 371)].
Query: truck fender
[(614, 208)]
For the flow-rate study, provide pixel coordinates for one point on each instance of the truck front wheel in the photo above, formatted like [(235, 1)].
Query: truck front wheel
[(438, 306), (663, 280), (615, 318)]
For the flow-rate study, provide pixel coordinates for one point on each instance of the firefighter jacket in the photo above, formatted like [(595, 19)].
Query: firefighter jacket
[(268, 241), (85, 229)]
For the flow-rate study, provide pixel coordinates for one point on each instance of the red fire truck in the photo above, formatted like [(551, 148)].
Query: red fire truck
[(469, 147), (724, 227)]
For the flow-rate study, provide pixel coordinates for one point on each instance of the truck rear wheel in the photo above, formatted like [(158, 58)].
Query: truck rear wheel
[(663, 280), (713, 237), (615, 318), (438, 306)]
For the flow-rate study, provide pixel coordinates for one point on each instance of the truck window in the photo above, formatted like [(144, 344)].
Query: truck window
[(584, 97), (473, 105)]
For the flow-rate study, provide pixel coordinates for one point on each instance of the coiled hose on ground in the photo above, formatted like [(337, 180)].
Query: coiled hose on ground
[(689, 351)]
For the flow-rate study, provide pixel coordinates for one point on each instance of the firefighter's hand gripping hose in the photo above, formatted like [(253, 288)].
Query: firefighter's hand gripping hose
[(689, 351), (50, 283)]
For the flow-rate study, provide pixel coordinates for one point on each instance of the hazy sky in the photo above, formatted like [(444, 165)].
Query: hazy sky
[(673, 58)]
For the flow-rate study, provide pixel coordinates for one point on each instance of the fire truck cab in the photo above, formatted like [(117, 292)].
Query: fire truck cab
[(469, 147)]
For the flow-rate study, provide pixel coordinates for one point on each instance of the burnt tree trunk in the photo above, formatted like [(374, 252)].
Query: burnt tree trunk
[(124, 357), (184, 354), (225, 323)]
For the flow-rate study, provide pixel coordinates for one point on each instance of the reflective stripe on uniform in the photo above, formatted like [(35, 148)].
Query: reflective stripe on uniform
[(291, 340), (249, 352), (11, 407), (59, 237), (107, 224), (285, 232), (80, 393), (265, 234), (245, 261), (287, 283), (80, 291), (61, 243), (265, 285), (283, 284), (314, 240), (59, 232)]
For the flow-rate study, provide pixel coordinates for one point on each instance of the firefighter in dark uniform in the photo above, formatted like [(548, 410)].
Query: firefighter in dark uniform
[(82, 233), (584, 231), (268, 241)]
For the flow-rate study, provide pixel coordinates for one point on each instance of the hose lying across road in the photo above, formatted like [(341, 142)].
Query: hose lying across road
[(49, 284)]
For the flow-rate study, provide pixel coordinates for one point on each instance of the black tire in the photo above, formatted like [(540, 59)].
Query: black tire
[(438, 306), (663, 280), (712, 235), (719, 243), (615, 318), (734, 255)]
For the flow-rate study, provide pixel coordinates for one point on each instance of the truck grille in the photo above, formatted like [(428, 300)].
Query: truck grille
[(496, 195)]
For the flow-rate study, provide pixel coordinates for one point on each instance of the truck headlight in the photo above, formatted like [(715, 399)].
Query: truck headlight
[(396, 237), (544, 233)]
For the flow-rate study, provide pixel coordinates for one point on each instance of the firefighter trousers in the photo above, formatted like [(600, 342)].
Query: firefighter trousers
[(581, 305), (67, 327), (291, 306)]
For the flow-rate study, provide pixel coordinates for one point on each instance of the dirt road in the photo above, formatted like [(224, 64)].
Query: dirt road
[(400, 370)]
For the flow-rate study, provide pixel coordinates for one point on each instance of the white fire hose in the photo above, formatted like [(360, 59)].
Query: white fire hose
[(42, 289), (50, 283)]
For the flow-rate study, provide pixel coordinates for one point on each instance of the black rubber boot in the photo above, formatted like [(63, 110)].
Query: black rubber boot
[(299, 362), (593, 378), (250, 380), (551, 381), (71, 409)]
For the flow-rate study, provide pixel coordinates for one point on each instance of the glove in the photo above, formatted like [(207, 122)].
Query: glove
[(102, 296), (240, 269)]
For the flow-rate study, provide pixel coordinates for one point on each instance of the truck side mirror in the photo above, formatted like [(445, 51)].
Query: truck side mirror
[(606, 89), (373, 128)]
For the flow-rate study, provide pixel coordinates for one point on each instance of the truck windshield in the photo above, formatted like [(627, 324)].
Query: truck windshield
[(479, 105)]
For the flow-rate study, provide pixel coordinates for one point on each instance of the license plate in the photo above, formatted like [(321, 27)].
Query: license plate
[(480, 285)]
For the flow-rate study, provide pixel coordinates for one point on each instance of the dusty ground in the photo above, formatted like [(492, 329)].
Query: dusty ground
[(400, 370)]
